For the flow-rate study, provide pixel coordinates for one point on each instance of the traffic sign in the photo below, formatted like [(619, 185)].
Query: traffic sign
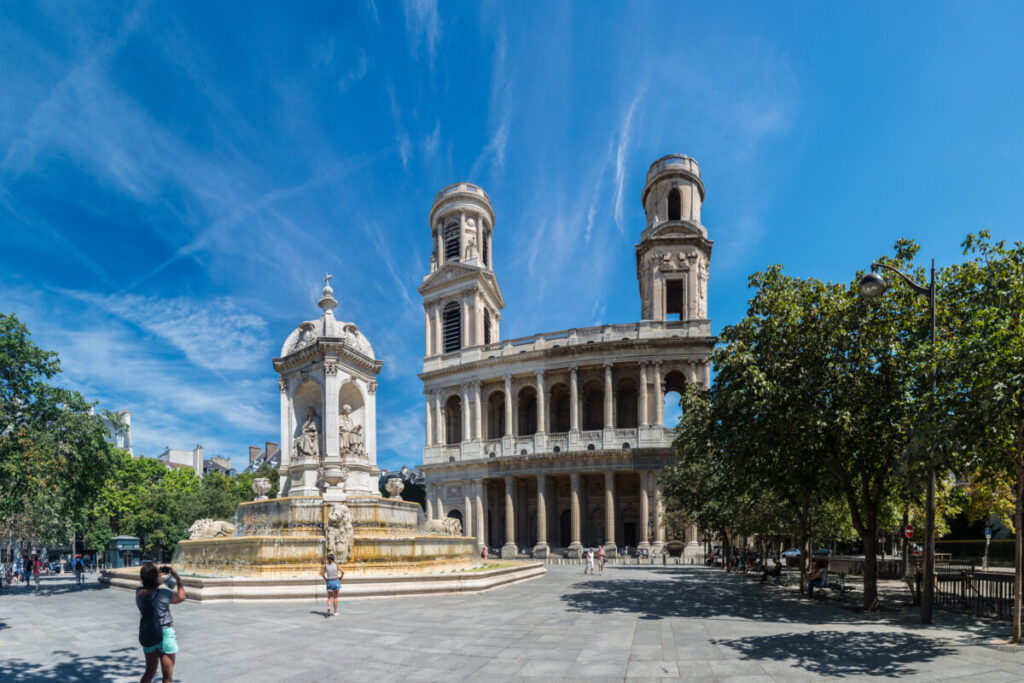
[(988, 532), (910, 531)]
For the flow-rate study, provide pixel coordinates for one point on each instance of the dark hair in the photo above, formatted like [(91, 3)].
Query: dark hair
[(330, 556), (150, 576)]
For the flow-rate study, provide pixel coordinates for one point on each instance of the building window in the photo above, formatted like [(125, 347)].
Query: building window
[(453, 420), (487, 326), (527, 411), (673, 299), (486, 251), (674, 202), (452, 323), (452, 247)]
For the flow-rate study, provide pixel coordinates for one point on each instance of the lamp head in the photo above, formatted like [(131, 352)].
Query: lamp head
[(872, 285)]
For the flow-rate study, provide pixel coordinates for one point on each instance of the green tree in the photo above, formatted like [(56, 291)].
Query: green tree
[(983, 374)]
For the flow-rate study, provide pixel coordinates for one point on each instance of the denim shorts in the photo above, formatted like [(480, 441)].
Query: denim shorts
[(333, 585), (168, 646)]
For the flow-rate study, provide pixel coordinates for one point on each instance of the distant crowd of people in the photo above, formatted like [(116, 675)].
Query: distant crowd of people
[(28, 570)]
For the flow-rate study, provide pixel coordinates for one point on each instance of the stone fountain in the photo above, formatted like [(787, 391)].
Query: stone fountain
[(329, 500)]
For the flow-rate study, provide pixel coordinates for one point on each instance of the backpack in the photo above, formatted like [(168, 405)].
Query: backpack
[(150, 631)]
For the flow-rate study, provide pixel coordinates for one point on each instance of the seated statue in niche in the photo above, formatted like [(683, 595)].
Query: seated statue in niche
[(307, 444), (350, 434)]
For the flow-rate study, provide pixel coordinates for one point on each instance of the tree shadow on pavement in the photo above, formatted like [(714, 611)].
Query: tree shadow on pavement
[(705, 593), (62, 589), (117, 664), (843, 653)]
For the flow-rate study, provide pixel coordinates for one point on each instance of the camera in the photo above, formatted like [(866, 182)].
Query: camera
[(166, 569)]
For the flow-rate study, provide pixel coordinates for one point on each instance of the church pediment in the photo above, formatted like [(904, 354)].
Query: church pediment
[(451, 273)]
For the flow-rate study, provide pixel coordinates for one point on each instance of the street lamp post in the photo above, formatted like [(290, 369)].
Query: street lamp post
[(871, 286)]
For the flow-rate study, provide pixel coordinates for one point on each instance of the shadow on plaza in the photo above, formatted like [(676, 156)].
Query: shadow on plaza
[(118, 664), (52, 589), (835, 653), (705, 593)]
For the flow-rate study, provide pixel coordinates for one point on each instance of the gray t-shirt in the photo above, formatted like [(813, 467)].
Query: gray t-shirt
[(161, 603), (332, 572)]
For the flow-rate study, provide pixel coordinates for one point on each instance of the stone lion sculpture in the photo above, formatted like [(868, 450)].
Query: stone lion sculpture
[(210, 528), (339, 532), (449, 526)]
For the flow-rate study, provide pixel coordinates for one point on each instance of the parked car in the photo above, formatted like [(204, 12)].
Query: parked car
[(822, 553), (792, 552)]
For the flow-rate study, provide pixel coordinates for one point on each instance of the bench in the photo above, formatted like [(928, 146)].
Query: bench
[(831, 586)]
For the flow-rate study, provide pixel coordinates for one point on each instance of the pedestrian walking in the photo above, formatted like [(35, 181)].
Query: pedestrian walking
[(601, 557), (332, 573), (590, 562), (37, 569), (156, 627), (79, 571)]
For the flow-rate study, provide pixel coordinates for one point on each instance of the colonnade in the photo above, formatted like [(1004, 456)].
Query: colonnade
[(628, 391), (511, 525)]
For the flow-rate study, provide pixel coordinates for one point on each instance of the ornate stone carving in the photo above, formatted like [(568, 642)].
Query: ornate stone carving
[(307, 335), (261, 487), (394, 486), (282, 384), (470, 247), (210, 528), (331, 367), (307, 444), (372, 387), (339, 532)]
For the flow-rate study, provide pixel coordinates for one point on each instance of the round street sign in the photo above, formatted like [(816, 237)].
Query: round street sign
[(910, 531), (988, 532)]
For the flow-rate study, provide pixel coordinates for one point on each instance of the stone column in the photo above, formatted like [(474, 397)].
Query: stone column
[(542, 548), (481, 515), (541, 412), (428, 325), (430, 502), (608, 396), (467, 338), (510, 549), (659, 514), (645, 514), (644, 414), (442, 431), (429, 421), (479, 427), (478, 318), (330, 417), (508, 405), (692, 312), (438, 330), (575, 547), (659, 396), (609, 513), (467, 510), (462, 234), (574, 399), (466, 424), (286, 437)]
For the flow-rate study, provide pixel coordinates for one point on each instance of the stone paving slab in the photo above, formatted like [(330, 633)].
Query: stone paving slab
[(631, 623)]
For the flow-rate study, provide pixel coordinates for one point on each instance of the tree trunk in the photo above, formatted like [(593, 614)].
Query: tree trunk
[(870, 569), (1018, 551), (726, 551), (906, 542)]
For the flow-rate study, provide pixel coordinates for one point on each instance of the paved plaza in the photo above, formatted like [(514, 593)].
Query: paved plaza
[(631, 622)]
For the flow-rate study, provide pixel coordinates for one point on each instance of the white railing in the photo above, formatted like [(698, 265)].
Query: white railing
[(448, 453), (559, 441), (492, 446), (646, 329)]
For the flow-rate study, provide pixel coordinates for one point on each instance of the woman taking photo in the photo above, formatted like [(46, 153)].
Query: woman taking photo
[(156, 628), (332, 573)]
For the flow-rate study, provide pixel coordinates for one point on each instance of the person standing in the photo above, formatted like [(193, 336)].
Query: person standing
[(156, 627), (590, 562), (79, 571), (37, 569), (332, 573), (601, 557)]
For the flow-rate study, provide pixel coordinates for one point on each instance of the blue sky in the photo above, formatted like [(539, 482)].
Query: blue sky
[(176, 178)]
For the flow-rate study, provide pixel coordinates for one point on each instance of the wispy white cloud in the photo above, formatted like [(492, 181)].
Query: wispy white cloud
[(500, 107), (432, 142), (423, 24), (372, 7), (356, 73), (401, 134), (215, 333), (621, 151)]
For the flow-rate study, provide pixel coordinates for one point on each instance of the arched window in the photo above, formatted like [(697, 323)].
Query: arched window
[(486, 251), (452, 246), (452, 322), (527, 411), (496, 415), (674, 205), (453, 420), (487, 326), (559, 407), (593, 406), (674, 385), (627, 412)]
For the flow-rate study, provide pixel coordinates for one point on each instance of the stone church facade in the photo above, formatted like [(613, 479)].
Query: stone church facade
[(554, 442)]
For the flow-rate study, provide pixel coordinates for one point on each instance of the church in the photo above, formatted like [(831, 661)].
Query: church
[(548, 444)]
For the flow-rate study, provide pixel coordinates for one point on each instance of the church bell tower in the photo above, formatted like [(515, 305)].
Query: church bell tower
[(462, 302), (674, 253)]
